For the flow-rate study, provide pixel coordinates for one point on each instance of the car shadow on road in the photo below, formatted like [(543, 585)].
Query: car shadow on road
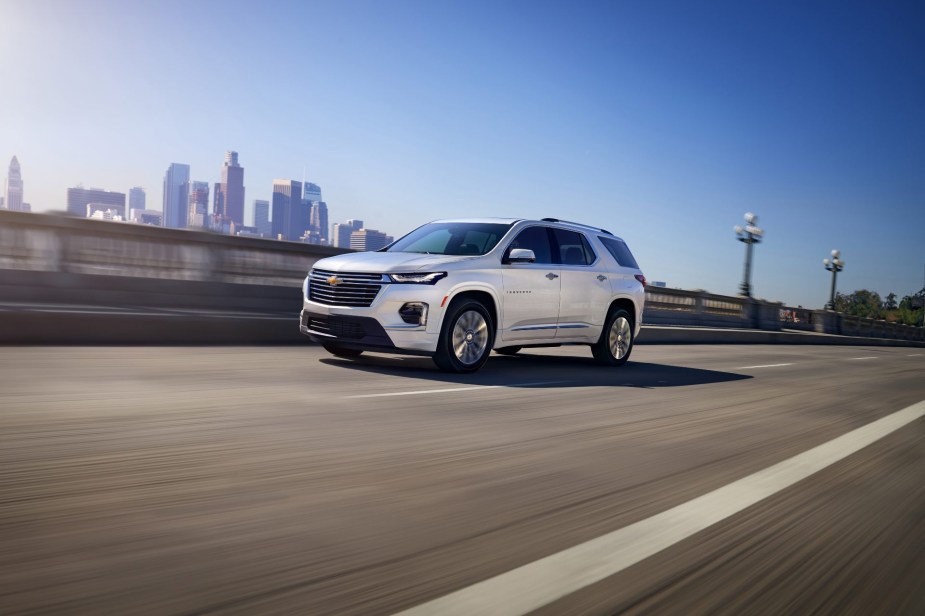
[(538, 371)]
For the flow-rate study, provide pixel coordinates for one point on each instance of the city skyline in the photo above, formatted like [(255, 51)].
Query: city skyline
[(187, 201), (663, 123)]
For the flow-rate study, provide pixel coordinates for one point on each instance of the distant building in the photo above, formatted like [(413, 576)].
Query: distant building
[(304, 221), (229, 193), (26, 207), (657, 283), (136, 199), (79, 197), (246, 231), (198, 205), (176, 196), (262, 218), (288, 218), (96, 212), (319, 221), (340, 233), (311, 192), (106, 211), (148, 217), (13, 189), (369, 239)]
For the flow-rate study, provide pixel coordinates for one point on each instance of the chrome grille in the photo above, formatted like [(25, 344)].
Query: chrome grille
[(352, 289)]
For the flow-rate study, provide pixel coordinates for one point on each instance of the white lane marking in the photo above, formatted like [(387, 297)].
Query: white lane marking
[(764, 366), (915, 355), (857, 358), (541, 582), (452, 389)]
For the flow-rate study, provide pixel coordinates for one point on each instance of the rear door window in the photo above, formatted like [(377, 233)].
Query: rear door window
[(569, 248)]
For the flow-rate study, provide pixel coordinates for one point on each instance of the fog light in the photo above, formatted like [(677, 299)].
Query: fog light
[(414, 313)]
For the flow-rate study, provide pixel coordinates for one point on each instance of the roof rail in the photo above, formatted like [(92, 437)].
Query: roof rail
[(577, 224)]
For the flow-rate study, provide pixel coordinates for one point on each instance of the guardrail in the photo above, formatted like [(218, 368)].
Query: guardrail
[(60, 259), (35, 242)]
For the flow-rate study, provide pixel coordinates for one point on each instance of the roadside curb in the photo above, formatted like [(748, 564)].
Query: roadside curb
[(653, 334)]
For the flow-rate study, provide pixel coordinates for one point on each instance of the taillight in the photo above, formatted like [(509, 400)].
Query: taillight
[(641, 279)]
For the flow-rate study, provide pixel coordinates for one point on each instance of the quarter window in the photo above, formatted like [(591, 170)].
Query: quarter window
[(620, 251)]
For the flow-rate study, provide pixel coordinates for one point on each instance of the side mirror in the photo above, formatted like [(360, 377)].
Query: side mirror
[(521, 255)]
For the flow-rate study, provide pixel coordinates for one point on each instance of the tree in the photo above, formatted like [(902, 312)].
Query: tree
[(890, 303), (912, 308), (861, 303)]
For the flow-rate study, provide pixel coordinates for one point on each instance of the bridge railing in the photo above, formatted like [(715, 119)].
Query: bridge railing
[(46, 258), (81, 246)]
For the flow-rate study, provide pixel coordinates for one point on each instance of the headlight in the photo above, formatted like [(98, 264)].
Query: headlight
[(430, 278)]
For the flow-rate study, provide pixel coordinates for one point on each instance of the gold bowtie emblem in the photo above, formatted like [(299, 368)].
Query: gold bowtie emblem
[(334, 280)]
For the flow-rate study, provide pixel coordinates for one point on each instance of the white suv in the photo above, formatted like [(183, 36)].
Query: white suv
[(456, 289)]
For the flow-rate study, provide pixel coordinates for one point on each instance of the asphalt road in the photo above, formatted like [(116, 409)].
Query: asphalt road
[(242, 480)]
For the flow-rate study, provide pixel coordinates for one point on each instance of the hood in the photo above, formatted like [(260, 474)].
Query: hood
[(385, 262)]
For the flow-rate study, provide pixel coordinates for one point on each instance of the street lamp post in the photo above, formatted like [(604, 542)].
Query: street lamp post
[(834, 265), (750, 234)]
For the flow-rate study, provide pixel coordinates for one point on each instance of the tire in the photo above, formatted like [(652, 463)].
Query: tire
[(512, 350), (614, 346), (466, 337), (340, 351)]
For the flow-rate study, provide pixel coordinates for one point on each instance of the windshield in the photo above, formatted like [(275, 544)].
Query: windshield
[(452, 238)]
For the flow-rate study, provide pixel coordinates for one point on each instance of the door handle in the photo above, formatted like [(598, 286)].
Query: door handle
[(601, 277), (552, 276)]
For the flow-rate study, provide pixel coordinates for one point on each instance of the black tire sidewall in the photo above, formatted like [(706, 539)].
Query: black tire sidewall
[(445, 358), (602, 348)]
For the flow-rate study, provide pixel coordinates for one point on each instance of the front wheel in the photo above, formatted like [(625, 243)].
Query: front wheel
[(466, 337), (614, 346)]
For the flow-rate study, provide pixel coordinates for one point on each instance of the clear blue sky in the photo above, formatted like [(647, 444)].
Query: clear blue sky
[(662, 121)]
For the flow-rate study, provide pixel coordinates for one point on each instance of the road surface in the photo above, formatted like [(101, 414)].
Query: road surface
[(271, 480)]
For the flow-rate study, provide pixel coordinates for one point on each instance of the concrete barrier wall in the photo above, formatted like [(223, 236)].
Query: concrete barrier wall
[(44, 243), (59, 260)]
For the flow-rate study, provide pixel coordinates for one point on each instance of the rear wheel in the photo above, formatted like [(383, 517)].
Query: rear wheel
[(512, 350), (614, 346), (466, 337), (340, 351)]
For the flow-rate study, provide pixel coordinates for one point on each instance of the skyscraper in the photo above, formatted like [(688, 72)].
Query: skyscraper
[(319, 221), (229, 194), (340, 235), (311, 192), (287, 208), (136, 199), (262, 218), (79, 197), (198, 205), (176, 196), (13, 192)]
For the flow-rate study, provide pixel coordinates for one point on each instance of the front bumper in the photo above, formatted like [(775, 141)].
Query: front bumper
[(379, 326), (351, 332)]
